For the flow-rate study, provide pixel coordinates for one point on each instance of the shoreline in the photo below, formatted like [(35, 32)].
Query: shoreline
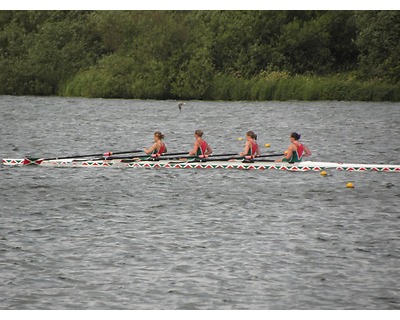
[(266, 87)]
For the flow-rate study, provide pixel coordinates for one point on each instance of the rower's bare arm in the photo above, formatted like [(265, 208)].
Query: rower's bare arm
[(151, 149), (289, 153), (246, 149), (194, 151), (308, 152)]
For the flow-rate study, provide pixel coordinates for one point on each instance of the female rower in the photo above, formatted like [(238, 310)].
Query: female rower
[(296, 151), (159, 147), (201, 148), (251, 149)]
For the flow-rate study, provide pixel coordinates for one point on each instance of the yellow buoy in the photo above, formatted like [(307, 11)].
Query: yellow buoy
[(323, 173), (349, 185), (267, 145), (240, 139), (286, 152)]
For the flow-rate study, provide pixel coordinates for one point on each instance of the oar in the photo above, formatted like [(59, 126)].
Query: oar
[(148, 155), (244, 157), (223, 155), (175, 154), (197, 157), (172, 156), (270, 155), (29, 160)]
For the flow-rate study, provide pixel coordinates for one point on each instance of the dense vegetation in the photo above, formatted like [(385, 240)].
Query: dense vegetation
[(226, 55)]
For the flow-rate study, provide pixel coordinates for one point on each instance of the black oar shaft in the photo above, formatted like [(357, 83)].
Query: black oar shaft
[(176, 154), (244, 157), (94, 155), (149, 155), (86, 155), (186, 155), (171, 156)]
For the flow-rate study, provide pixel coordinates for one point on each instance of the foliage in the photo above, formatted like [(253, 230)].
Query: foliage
[(378, 41), (40, 50), (223, 55)]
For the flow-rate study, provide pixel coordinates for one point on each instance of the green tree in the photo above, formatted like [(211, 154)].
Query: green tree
[(194, 77), (379, 42), (303, 47), (342, 31), (44, 48), (198, 54)]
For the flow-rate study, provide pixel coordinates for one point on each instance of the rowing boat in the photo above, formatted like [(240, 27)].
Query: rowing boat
[(215, 164)]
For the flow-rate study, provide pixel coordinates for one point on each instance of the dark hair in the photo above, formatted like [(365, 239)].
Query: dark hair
[(295, 136), (159, 135), (251, 134), (198, 133)]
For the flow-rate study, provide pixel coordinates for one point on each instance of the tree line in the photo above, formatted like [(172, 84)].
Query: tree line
[(229, 55)]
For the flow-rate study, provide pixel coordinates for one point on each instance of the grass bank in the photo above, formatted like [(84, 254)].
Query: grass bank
[(278, 86), (282, 87)]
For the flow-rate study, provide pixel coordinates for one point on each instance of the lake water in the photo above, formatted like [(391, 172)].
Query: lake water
[(107, 238)]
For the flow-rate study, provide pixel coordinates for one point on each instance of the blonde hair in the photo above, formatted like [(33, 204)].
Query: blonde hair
[(159, 135), (198, 133), (251, 134)]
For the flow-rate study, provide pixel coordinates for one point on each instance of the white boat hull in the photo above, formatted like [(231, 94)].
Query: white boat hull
[(236, 164)]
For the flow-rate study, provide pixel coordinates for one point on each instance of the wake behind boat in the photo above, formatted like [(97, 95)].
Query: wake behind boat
[(256, 164)]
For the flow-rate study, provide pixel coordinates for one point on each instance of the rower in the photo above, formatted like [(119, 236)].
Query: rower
[(251, 149), (296, 151), (158, 148), (201, 149)]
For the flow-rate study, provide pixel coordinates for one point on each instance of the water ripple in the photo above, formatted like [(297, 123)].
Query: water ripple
[(197, 239)]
